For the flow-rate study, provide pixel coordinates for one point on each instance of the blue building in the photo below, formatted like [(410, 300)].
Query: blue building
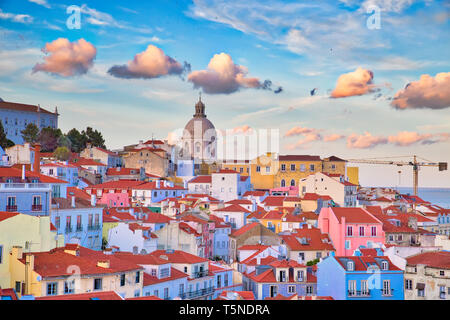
[(223, 279), (222, 231), (363, 277), (79, 220), (16, 116), (28, 192), (63, 171)]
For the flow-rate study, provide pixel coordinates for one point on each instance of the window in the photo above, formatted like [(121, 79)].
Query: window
[(283, 167), (18, 286), (386, 288), (318, 255), (181, 288), (442, 292), (90, 220), (156, 293), (283, 183), (292, 167), (384, 265), (292, 183), (185, 269), (311, 167), (374, 231), (69, 287), (364, 287), (273, 291), (352, 287), (98, 284), (291, 289), (350, 266), (267, 169), (408, 284), (442, 273), (361, 231), (258, 169), (225, 279), (166, 293), (78, 222), (300, 275), (52, 289), (302, 168), (138, 277), (309, 290), (347, 244), (57, 222), (349, 231)]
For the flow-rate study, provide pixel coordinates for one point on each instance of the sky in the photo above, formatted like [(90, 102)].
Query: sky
[(355, 79)]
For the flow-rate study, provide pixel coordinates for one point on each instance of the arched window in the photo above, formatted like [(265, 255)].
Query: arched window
[(197, 147), (283, 183), (292, 183)]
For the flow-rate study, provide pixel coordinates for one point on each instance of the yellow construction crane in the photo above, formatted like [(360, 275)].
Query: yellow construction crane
[(414, 163)]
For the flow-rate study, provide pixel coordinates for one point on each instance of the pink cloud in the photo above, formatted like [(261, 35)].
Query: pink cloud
[(427, 92), (309, 137), (67, 58), (333, 137), (224, 76), (364, 141), (245, 129), (295, 131), (406, 138), (151, 63), (354, 83)]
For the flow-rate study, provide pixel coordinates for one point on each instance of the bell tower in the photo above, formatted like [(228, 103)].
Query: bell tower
[(200, 108)]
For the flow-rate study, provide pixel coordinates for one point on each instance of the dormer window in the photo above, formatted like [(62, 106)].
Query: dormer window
[(384, 265), (350, 266)]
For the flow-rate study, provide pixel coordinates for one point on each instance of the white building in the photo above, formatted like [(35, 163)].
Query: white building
[(341, 191), (200, 184), (133, 237), (229, 185)]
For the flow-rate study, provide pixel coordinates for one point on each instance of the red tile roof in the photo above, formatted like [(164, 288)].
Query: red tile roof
[(56, 262), (274, 201), (297, 157), (245, 295), (244, 229), (10, 172), (255, 193), (119, 184), (362, 263), (354, 215), (22, 107), (6, 215), (152, 186), (122, 171), (233, 208), (78, 193), (281, 297), (273, 215), (8, 293), (434, 259), (140, 259), (188, 229), (240, 202), (174, 275), (80, 161), (145, 298), (115, 215), (178, 256), (315, 240), (226, 171), (201, 179)]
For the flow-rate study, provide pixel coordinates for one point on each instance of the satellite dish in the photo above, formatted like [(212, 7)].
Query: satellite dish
[(39, 278)]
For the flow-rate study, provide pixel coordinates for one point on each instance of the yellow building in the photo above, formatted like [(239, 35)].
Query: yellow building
[(273, 219), (353, 175), (241, 166), (333, 165), (292, 168), (74, 269), (32, 233), (263, 170)]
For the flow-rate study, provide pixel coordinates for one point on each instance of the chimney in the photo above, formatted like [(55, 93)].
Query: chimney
[(23, 172), (73, 202), (93, 200), (37, 158)]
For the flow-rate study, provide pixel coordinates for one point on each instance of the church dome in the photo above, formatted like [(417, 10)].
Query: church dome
[(199, 121)]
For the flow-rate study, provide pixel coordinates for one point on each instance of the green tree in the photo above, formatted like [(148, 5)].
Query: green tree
[(77, 140), (30, 133), (95, 137), (64, 141), (62, 153)]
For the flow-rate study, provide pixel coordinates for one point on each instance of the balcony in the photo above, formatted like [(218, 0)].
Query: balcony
[(93, 227), (68, 229), (200, 274), (25, 186), (197, 294), (79, 228), (36, 207), (11, 208), (358, 294), (387, 292)]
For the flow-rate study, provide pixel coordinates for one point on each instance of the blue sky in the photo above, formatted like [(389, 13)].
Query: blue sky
[(298, 45)]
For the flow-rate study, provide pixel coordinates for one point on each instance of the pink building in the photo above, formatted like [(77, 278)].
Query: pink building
[(291, 191), (349, 228), (115, 200)]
